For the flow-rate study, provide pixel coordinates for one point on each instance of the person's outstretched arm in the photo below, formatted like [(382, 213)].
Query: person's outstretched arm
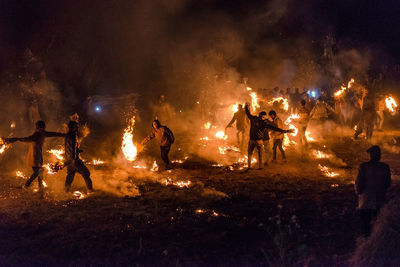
[(246, 109), (54, 134)]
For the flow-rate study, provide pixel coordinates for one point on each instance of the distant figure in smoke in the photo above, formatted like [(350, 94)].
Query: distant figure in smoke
[(165, 138), (380, 115), (277, 136), (371, 185), (304, 115), (35, 152), (240, 118), (367, 120), (321, 111), (72, 160), (257, 127)]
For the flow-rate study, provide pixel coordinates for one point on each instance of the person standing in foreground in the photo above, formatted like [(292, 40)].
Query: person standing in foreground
[(371, 185), (277, 136), (257, 127), (165, 138), (72, 160), (35, 152)]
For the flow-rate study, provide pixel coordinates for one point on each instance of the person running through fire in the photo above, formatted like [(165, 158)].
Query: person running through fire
[(165, 138), (72, 160), (277, 136), (241, 125), (35, 152), (257, 126), (372, 182)]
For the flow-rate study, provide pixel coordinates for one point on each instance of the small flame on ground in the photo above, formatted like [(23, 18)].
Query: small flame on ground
[(180, 184), (97, 162), (207, 125), (308, 137), (79, 195), (320, 155), (155, 167), (204, 138), (326, 171), (3, 146), (20, 174)]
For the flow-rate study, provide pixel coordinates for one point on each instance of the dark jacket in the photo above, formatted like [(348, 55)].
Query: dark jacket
[(163, 135), (71, 147), (372, 182), (257, 126)]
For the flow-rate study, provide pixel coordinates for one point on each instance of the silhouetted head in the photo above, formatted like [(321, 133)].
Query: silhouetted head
[(272, 114), (303, 102), (240, 107), (262, 115), (156, 124), (40, 125), (72, 126), (375, 153)]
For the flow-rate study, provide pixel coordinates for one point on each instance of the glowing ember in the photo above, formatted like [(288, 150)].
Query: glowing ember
[(155, 167), (128, 147), (285, 102), (79, 195), (245, 158), (97, 162), (235, 108), (350, 83), (207, 125), (341, 91), (20, 174), (221, 135), (326, 171), (44, 183), (3, 146), (308, 137), (204, 138), (248, 88), (320, 155), (200, 211), (57, 153), (180, 184), (391, 104)]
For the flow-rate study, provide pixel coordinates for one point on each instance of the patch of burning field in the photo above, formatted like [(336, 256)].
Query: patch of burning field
[(205, 215)]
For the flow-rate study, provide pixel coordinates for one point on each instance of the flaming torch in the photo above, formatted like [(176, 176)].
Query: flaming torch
[(128, 147)]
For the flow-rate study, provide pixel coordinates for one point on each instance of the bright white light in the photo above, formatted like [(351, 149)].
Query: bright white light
[(97, 108)]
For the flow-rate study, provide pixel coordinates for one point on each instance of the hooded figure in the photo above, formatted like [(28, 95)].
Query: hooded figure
[(371, 185)]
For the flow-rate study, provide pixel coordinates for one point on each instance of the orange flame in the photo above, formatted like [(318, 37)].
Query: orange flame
[(391, 104), (129, 149)]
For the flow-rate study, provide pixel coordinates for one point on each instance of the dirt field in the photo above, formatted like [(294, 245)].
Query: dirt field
[(287, 214)]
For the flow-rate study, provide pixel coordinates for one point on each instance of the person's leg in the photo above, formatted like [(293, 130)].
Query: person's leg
[(275, 145), (164, 155), (250, 150), (35, 174), (381, 119), (238, 137), (266, 151), (366, 218), (260, 150), (40, 178), (70, 177), (84, 171), (281, 148)]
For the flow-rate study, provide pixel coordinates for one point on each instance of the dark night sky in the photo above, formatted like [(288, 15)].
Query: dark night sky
[(126, 40)]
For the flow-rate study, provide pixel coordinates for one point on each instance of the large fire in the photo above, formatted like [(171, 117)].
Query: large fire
[(391, 104), (128, 147)]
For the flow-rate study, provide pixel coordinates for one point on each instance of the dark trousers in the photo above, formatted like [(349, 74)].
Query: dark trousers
[(278, 144), (77, 166), (367, 216), (164, 154), (368, 126), (37, 173), (260, 149)]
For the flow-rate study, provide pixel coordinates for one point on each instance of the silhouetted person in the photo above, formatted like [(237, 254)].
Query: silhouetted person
[(304, 115), (72, 160), (257, 127), (35, 152), (277, 136), (371, 185), (165, 138), (367, 120), (241, 124)]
